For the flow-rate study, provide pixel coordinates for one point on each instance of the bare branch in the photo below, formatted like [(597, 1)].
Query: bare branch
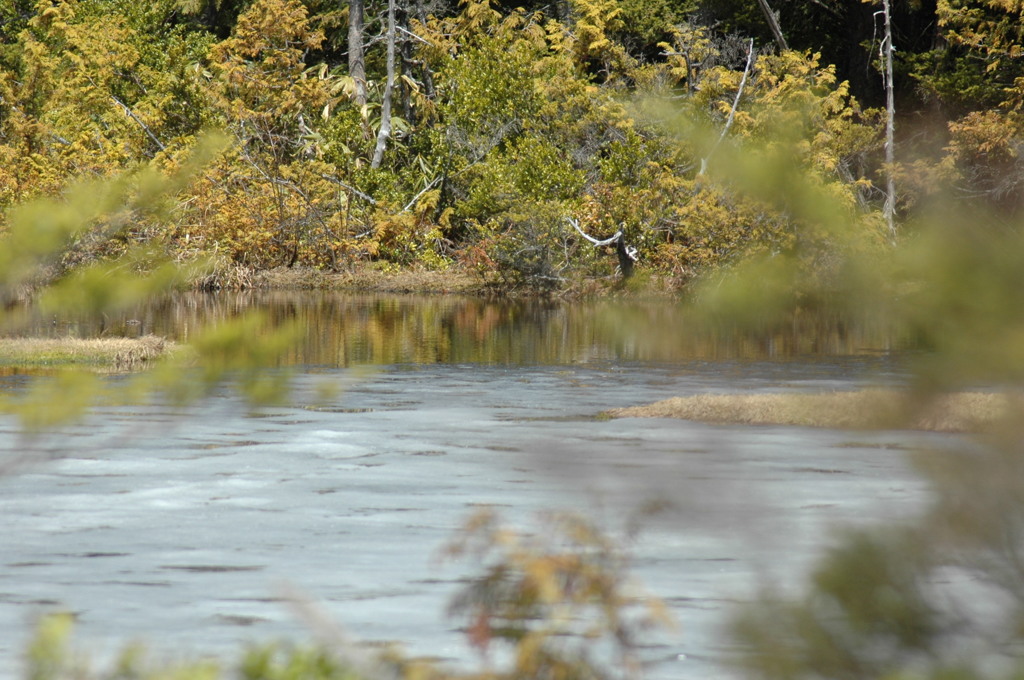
[(885, 51), (411, 34), (131, 114), (596, 242), (732, 111), (366, 197), (431, 185)]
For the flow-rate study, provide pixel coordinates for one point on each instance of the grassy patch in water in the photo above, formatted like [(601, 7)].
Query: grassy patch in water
[(117, 354), (862, 409)]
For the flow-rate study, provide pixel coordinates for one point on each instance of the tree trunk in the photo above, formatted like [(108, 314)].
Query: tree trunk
[(385, 107), (886, 50), (356, 62), (626, 255), (428, 77), (406, 52), (561, 10), (773, 23)]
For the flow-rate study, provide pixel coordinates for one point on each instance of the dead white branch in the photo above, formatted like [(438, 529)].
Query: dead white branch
[(145, 128), (413, 35), (433, 183), (885, 51), (596, 242), (732, 112), (628, 255), (385, 108)]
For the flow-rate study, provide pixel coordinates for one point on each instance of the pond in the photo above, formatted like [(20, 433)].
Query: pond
[(193, 529)]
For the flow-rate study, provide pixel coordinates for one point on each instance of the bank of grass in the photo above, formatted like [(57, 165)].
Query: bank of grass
[(110, 354), (862, 409)]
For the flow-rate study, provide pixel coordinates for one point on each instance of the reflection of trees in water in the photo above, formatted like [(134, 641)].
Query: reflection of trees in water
[(342, 329)]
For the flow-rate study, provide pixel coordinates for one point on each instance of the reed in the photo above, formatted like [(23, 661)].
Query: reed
[(116, 354), (862, 409)]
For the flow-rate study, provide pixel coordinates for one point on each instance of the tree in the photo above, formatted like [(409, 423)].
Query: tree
[(40, 230), (988, 33), (356, 61), (732, 111), (384, 134), (267, 200), (773, 23), (885, 52)]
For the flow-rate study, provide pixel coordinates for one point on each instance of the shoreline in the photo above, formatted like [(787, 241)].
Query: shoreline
[(454, 280)]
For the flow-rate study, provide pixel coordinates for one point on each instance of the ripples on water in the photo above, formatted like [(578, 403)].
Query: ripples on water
[(181, 525)]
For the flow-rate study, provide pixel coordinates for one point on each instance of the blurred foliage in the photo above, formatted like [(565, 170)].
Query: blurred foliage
[(936, 595), (553, 597), (45, 233)]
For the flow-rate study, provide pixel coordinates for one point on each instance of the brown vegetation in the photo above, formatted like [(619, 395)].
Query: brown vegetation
[(406, 280), (358, 277), (452, 280), (864, 409)]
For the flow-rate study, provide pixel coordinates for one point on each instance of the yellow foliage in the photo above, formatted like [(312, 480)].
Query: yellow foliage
[(985, 133), (595, 19), (261, 83), (717, 227), (476, 16), (63, 117), (690, 48)]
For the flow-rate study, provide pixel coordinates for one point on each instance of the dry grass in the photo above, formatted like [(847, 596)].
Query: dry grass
[(117, 354), (865, 409)]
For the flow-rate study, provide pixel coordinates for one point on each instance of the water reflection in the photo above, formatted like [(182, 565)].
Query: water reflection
[(146, 504), (344, 329)]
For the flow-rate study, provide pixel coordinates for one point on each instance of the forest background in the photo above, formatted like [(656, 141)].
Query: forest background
[(493, 135)]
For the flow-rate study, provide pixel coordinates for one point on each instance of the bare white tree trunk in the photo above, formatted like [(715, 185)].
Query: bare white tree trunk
[(732, 111), (385, 107), (356, 62), (885, 52)]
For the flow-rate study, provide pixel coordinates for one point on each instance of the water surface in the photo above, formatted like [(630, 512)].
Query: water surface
[(343, 329), (187, 528)]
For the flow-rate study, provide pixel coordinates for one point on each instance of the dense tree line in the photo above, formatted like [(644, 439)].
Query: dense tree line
[(481, 131)]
